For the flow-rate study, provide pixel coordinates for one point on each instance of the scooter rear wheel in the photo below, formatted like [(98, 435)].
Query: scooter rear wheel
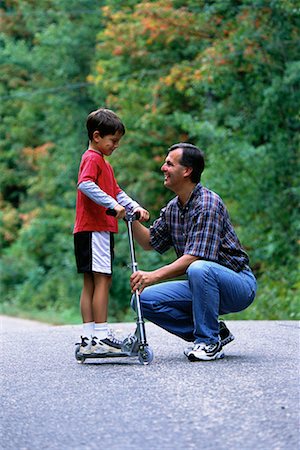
[(79, 358)]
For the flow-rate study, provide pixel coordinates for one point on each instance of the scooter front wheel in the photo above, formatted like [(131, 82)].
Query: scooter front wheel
[(145, 355)]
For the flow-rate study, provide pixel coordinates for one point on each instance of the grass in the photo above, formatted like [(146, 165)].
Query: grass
[(277, 299), (53, 317)]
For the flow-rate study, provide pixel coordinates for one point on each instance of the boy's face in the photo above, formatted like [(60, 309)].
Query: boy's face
[(106, 144)]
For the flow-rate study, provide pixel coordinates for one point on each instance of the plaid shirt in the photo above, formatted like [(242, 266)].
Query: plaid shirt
[(201, 228)]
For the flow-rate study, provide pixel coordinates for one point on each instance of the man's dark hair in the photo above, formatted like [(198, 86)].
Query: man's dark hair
[(192, 157), (105, 121)]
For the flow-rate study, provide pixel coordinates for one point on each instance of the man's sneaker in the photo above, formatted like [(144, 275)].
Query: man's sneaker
[(225, 335), (85, 345), (206, 352), (108, 345)]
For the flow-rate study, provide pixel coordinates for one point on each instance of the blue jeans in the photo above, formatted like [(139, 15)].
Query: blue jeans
[(190, 308)]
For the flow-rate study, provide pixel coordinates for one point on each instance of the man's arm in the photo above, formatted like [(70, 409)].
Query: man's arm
[(142, 235), (141, 279)]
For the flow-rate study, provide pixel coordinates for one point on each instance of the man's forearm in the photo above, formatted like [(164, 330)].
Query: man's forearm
[(141, 235), (141, 279), (175, 269)]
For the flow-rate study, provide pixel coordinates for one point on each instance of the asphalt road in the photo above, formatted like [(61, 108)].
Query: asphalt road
[(248, 400)]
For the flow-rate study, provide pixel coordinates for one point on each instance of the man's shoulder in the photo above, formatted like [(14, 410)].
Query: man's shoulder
[(173, 203), (208, 199), (205, 191)]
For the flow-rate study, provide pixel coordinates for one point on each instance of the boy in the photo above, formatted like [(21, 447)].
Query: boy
[(94, 230)]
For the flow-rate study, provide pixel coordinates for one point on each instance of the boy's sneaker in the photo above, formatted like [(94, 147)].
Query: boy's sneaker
[(225, 335), (85, 345), (206, 352), (108, 345)]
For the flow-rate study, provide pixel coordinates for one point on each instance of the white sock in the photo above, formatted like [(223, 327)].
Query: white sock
[(100, 330), (88, 329)]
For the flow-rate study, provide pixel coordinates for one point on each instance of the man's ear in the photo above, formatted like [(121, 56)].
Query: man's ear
[(187, 171)]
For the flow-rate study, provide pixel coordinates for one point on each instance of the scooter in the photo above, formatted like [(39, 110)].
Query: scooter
[(135, 345)]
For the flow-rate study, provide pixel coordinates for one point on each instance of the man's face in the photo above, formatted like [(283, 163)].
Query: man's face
[(173, 171)]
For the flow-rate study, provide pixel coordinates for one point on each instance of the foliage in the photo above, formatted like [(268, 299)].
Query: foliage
[(223, 74), (45, 59)]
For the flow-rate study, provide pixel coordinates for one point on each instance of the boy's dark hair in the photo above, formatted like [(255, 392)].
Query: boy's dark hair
[(105, 121), (193, 157)]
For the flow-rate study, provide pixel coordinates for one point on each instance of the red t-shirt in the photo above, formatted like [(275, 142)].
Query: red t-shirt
[(89, 215)]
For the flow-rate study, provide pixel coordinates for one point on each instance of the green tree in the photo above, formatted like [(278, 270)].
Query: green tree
[(45, 58), (224, 75)]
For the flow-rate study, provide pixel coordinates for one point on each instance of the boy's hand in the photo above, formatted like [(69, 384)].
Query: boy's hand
[(120, 210), (144, 214)]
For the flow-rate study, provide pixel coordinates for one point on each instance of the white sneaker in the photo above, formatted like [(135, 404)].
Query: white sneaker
[(225, 337), (85, 345), (108, 345), (205, 352)]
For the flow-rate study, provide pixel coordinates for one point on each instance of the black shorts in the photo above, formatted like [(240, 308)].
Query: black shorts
[(94, 251)]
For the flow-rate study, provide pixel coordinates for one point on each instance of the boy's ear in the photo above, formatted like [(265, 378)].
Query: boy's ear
[(96, 136)]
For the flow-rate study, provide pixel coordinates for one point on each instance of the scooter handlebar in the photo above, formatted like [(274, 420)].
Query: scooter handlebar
[(129, 215), (111, 212)]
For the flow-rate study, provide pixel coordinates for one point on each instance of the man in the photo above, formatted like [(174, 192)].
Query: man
[(219, 280)]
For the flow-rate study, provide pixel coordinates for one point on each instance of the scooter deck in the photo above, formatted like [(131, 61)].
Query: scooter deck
[(143, 353), (105, 355)]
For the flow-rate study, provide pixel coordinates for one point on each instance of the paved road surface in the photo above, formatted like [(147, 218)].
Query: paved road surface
[(249, 400)]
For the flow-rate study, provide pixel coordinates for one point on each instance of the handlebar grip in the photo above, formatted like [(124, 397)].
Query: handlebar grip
[(111, 212), (135, 216), (129, 216)]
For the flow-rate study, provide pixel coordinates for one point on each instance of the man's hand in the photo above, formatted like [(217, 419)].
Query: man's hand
[(144, 214), (120, 210), (140, 279)]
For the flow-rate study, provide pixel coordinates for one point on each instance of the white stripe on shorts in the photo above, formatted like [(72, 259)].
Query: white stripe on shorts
[(101, 252)]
